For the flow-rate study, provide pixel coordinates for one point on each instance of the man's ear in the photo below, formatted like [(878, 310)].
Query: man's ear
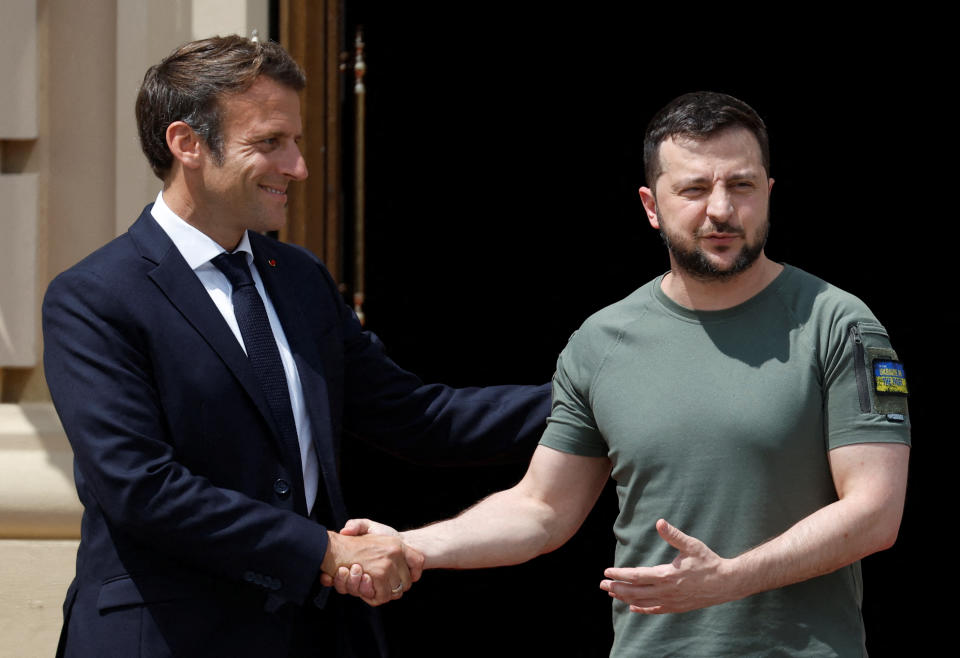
[(185, 144), (650, 206)]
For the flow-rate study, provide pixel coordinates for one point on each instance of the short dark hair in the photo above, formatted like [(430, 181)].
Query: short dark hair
[(189, 84), (699, 115)]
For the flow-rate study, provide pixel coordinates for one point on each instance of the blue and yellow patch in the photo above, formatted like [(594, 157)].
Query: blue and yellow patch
[(888, 377)]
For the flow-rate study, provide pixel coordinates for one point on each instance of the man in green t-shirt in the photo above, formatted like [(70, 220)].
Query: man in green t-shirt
[(758, 408)]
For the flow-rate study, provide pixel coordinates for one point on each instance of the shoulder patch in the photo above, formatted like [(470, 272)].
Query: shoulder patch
[(888, 377)]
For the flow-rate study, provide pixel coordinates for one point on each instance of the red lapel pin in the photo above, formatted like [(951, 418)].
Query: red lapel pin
[(272, 262)]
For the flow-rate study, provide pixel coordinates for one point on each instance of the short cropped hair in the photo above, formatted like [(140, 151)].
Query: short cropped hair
[(190, 83), (697, 116)]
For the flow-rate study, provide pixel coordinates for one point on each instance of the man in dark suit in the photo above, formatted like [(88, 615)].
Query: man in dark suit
[(205, 374)]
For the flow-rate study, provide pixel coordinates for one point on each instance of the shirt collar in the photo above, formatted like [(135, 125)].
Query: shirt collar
[(196, 247)]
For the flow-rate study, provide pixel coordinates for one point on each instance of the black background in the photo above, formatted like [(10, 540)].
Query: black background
[(503, 157)]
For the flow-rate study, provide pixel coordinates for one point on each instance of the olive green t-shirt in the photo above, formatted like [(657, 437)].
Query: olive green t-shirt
[(720, 422)]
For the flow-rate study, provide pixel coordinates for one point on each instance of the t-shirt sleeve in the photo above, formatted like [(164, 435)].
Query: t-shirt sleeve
[(571, 426), (865, 386)]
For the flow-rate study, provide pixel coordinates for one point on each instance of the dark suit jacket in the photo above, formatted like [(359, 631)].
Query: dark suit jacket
[(194, 538)]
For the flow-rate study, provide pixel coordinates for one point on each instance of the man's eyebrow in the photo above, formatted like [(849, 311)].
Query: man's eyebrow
[(692, 180), (273, 134), (741, 174)]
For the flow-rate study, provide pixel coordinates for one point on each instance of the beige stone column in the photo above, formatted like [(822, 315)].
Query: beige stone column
[(18, 187)]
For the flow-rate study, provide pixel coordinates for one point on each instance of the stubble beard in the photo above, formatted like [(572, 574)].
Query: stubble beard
[(694, 261)]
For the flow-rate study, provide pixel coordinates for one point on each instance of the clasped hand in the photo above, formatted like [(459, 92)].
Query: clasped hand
[(369, 560), (696, 578)]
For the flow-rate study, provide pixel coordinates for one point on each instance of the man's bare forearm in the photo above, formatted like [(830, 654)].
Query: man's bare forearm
[(865, 520), (536, 516), (505, 528)]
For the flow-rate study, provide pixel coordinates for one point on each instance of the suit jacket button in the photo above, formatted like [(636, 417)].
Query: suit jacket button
[(281, 487)]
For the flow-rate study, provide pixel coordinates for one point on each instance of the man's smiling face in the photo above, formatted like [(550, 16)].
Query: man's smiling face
[(247, 188)]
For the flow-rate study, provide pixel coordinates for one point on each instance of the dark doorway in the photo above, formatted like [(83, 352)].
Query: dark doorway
[(503, 153)]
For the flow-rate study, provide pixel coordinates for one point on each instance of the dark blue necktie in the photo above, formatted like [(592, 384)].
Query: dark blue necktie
[(262, 351)]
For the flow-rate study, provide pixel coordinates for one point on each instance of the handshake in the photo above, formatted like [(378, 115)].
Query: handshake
[(369, 560)]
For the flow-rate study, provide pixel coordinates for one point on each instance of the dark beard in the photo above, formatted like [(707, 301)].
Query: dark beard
[(695, 263)]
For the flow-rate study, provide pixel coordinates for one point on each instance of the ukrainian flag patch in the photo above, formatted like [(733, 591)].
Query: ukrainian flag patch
[(888, 377)]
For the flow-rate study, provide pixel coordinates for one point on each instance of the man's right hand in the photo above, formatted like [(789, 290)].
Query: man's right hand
[(375, 566), (352, 579)]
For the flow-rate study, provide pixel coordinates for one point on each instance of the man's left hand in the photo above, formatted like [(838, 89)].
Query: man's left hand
[(696, 578)]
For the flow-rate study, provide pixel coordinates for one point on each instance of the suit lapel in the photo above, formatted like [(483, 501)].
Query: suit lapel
[(183, 289)]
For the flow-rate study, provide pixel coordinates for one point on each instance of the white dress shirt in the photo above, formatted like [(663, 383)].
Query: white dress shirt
[(198, 249)]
